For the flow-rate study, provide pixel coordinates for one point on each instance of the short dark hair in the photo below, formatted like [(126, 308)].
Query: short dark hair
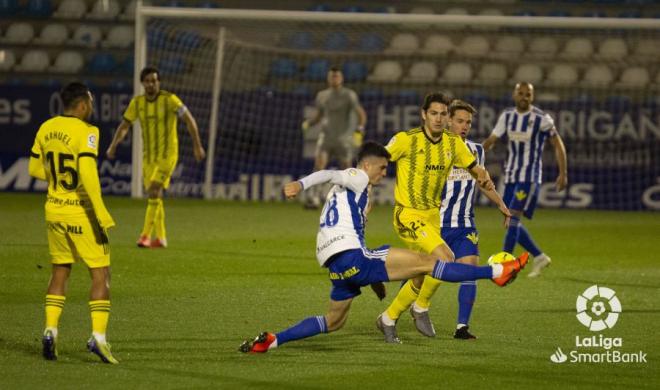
[(372, 149), (149, 70), (458, 104), (72, 93), (334, 68), (435, 97)]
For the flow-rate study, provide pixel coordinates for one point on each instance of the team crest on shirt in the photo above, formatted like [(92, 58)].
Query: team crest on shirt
[(91, 141), (520, 195), (448, 154), (473, 237)]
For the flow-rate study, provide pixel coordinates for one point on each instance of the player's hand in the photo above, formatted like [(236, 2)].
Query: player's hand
[(562, 181), (507, 214), (199, 152), (305, 126), (358, 137), (379, 289), (111, 153), (292, 189)]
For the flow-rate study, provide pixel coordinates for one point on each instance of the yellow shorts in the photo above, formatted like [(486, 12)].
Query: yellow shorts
[(158, 172), (419, 229), (77, 238)]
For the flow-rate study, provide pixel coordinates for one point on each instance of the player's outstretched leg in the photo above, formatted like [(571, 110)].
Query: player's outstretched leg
[(501, 274), (308, 327)]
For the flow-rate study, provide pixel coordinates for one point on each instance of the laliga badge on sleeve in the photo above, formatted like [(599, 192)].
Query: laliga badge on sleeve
[(91, 141), (352, 172)]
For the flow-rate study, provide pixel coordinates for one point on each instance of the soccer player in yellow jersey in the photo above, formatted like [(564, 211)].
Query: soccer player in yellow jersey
[(424, 158), (64, 154), (158, 111)]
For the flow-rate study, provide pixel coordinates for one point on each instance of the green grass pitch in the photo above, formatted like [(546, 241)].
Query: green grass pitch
[(235, 269)]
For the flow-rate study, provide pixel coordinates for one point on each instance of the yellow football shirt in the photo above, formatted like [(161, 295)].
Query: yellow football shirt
[(422, 166), (59, 143), (158, 118)]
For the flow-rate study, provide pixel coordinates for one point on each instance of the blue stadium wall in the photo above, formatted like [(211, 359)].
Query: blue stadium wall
[(613, 147)]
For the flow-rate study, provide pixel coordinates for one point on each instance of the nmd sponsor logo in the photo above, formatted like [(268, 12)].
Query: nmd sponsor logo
[(598, 309)]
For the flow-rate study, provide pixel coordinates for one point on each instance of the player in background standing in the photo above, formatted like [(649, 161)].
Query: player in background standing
[(457, 214), (158, 111), (64, 154), (527, 127), (340, 247), (424, 157), (339, 138)]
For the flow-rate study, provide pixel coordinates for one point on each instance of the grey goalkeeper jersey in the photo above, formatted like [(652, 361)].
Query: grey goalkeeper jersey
[(338, 109)]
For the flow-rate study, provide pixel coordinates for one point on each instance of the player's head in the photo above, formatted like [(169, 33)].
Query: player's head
[(435, 111), (77, 100), (373, 158), (523, 95), (335, 77), (150, 78), (460, 117)]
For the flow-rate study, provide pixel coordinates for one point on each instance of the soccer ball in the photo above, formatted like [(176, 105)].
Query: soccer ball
[(500, 258)]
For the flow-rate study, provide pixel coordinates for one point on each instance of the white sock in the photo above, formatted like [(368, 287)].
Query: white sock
[(387, 320), (419, 309), (540, 257), (52, 330), (459, 326), (100, 337), (497, 270), (273, 344)]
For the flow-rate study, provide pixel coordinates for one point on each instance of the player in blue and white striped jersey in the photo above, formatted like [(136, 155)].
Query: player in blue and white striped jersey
[(457, 214), (340, 248), (527, 128)]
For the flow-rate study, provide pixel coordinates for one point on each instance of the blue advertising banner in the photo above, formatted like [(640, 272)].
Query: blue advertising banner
[(613, 149)]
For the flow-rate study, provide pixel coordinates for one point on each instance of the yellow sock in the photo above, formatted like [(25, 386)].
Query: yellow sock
[(100, 311), (160, 220), (54, 306), (406, 296), (426, 292), (149, 217)]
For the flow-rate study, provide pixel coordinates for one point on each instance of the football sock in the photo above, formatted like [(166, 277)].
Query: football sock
[(149, 216), (466, 296), (159, 221), (308, 327), (406, 296), (54, 306), (429, 287), (512, 234), (100, 311), (527, 242), (457, 272)]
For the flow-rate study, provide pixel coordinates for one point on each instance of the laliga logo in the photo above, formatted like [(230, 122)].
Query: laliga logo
[(598, 308)]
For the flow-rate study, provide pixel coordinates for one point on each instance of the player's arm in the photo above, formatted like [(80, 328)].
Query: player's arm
[(120, 134), (193, 130), (89, 177), (36, 166), (352, 178), (358, 134), (498, 131), (560, 155)]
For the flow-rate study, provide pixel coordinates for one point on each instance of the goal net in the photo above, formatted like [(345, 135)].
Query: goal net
[(250, 79)]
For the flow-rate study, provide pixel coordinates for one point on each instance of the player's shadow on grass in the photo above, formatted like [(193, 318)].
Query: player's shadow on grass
[(610, 283)]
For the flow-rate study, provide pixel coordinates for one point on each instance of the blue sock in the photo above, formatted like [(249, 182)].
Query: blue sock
[(467, 293), (512, 234), (457, 272), (308, 327), (527, 242)]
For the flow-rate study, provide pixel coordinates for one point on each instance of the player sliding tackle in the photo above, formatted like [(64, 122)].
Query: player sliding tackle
[(340, 247)]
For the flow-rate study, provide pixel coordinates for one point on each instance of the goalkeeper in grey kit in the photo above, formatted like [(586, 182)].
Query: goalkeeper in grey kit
[(341, 134)]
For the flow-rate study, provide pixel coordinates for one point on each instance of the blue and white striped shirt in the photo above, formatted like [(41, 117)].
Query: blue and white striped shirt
[(459, 193), (527, 133)]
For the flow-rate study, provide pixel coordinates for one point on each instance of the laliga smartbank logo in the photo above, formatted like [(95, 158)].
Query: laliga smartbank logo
[(598, 309)]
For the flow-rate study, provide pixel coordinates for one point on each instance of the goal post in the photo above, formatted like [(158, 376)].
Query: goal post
[(249, 77)]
